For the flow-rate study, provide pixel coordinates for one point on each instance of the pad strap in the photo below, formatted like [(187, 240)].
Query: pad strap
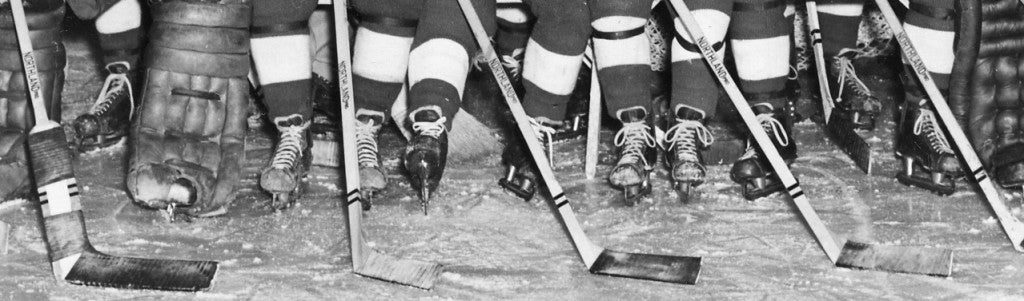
[(618, 35), (740, 6), (280, 27), (389, 21)]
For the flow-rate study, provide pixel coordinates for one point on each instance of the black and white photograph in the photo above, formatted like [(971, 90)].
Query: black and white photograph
[(511, 149)]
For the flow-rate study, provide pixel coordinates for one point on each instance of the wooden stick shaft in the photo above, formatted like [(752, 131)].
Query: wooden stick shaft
[(587, 250), (1011, 225), (828, 244), (593, 120), (353, 206), (827, 103)]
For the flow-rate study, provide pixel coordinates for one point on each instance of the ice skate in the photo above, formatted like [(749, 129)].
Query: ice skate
[(752, 170), (852, 96), (287, 170), (108, 118), (427, 152), (684, 140), (928, 159), (637, 154), (522, 177), (371, 174)]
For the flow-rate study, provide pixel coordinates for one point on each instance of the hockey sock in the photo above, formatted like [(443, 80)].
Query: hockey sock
[(554, 56), (119, 32), (693, 83), (839, 25), (622, 53), (761, 45), (280, 50)]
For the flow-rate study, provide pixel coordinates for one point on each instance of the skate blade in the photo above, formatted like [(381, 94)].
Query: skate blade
[(751, 192), (683, 191), (516, 188), (98, 269), (4, 230), (926, 184), (911, 260), (666, 268), (325, 153), (409, 272)]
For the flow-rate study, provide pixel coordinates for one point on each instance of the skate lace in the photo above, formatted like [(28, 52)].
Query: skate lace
[(771, 126), (546, 136), (848, 77), (927, 123), (684, 137), (289, 148), (430, 128), (366, 143), (633, 138), (511, 63), (116, 85)]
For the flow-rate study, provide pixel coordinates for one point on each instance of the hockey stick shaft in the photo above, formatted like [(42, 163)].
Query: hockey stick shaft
[(365, 260), (1011, 225), (827, 103), (693, 29), (352, 195), (587, 250), (593, 119)]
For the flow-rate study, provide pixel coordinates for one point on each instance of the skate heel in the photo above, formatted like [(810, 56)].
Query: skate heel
[(935, 182), (632, 194), (517, 183), (424, 196), (683, 190), (756, 188)]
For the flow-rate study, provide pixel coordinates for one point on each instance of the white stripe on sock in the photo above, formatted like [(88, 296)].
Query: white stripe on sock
[(381, 57), (125, 15), (714, 23), (635, 50), (761, 58), (934, 46), (441, 59), (552, 72), (282, 59), (841, 9)]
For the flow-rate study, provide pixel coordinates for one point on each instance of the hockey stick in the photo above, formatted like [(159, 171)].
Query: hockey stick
[(859, 255), (593, 117), (840, 129), (1011, 225), (72, 256), (365, 260), (675, 269)]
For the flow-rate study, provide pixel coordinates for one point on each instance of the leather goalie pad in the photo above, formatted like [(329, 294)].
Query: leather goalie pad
[(189, 130), (16, 116), (986, 87)]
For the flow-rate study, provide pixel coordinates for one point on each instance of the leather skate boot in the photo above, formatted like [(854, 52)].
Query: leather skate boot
[(108, 119), (522, 177), (852, 96), (683, 141), (371, 174), (637, 154), (752, 170), (287, 171), (928, 159), (427, 152)]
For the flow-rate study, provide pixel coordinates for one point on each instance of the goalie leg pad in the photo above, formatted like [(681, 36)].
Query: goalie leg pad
[(189, 132)]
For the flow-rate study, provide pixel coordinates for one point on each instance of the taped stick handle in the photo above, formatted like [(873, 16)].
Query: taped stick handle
[(827, 102), (587, 250), (818, 228), (1011, 225)]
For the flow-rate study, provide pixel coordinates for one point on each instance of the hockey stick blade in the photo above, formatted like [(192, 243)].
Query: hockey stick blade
[(98, 269), (365, 260), (72, 256), (599, 260), (841, 131), (666, 268), (927, 261), (415, 273)]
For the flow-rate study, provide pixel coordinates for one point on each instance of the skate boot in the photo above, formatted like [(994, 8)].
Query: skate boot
[(371, 175), (287, 170), (852, 96), (752, 170), (522, 176), (427, 152), (107, 121), (683, 141), (637, 154), (928, 160)]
